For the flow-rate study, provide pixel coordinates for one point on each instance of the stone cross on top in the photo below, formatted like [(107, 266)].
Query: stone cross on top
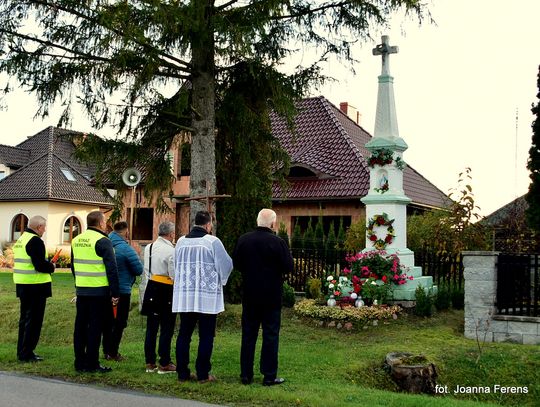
[(385, 50)]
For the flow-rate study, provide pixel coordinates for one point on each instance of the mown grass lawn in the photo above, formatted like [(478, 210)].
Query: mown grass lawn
[(323, 367)]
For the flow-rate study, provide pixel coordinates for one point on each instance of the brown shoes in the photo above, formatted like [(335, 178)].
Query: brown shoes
[(117, 358), (151, 368), (211, 378), (170, 368)]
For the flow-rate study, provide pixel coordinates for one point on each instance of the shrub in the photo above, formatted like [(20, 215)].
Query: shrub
[(310, 309), (288, 299), (313, 288), (458, 298), (233, 289), (424, 302), (355, 238), (443, 298), (6, 260)]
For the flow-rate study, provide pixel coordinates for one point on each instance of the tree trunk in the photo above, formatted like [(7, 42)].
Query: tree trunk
[(203, 160)]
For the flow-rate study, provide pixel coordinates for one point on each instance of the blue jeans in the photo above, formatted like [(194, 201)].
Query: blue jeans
[(207, 331)]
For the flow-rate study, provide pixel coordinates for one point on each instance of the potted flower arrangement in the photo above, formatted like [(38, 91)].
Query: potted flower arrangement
[(339, 290), (374, 274)]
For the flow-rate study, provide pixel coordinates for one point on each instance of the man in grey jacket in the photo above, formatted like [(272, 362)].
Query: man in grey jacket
[(157, 289)]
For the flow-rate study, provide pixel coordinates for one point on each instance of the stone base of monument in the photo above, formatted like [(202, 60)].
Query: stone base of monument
[(407, 291), (412, 373)]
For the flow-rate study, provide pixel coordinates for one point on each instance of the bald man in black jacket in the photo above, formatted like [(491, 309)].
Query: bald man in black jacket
[(263, 259)]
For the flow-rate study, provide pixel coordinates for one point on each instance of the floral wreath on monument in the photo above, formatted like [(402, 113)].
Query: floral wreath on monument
[(380, 220), (383, 156)]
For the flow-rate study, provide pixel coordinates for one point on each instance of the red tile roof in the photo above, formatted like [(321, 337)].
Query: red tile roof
[(329, 143)]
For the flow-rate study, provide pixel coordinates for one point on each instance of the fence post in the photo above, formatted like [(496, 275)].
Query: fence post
[(480, 293)]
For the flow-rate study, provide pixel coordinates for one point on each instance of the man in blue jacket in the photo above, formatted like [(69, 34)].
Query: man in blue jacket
[(129, 267)]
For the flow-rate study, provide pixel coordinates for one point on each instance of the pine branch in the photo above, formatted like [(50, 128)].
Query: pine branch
[(118, 32)]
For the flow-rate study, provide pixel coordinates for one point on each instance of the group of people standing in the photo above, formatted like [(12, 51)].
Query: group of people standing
[(185, 279)]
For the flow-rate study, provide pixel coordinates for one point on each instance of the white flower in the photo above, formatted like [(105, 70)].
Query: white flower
[(329, 278), (330, 285), (344, 278), (354, 296), (373, 283)]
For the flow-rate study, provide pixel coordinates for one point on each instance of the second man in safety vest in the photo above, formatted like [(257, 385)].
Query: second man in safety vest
[(96, 281)]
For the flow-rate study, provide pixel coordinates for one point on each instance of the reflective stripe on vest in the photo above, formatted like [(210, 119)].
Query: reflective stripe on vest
[(88, 266), (23, 268)]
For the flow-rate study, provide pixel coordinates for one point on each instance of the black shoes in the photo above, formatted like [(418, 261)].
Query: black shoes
[(246, 380), (277, 380), (33, 358), (99, 369)]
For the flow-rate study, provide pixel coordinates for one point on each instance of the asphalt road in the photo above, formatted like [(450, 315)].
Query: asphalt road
[(17, 390)]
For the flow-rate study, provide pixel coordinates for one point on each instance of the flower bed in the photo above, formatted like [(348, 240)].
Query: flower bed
[(358, 316)]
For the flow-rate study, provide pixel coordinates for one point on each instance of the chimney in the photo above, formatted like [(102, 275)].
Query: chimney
[(351, 111)]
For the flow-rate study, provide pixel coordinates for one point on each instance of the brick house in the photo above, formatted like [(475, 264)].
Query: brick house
[(329, 172), (40, 176)]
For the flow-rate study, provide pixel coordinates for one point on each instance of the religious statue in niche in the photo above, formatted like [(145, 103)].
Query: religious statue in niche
[(383, 182)]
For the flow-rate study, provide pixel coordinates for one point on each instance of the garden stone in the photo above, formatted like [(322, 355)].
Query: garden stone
[(412, 373), (348, 326), (375, 323), (394, 316), (339, 326), (332, 324)]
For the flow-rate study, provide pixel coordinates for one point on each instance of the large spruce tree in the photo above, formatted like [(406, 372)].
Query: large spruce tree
[(127, 63), (533, 164)]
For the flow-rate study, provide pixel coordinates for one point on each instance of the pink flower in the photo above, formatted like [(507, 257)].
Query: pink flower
[(346, 270), (365, 268), (396, 277), (411, 278), (384, 279), (337, 293)]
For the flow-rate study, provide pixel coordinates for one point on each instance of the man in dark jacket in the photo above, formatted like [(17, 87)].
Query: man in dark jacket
[(93, 264), (32, 278), (129, 267), (262, 258)]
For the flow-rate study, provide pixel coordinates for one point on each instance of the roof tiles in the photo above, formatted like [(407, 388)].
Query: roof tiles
[(330, 143)]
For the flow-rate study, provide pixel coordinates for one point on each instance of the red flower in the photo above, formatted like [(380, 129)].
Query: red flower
[(380, 220), (337, 293), (388, 238), (373, 238), (384, 279)]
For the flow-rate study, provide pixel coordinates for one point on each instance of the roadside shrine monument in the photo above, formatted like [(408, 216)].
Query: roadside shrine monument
[(386, 203)]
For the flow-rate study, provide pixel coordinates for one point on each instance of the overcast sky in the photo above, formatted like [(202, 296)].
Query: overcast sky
[(458, 85)]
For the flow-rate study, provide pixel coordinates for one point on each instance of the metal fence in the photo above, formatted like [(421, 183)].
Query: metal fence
[(314, 263), (317, 263), (445, 268), (518, 285)]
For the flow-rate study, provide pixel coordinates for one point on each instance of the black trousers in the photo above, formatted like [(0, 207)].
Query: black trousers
[(91, 312), (207, 331), (163, 322), (252, 318), (30, 323), (114, 327)]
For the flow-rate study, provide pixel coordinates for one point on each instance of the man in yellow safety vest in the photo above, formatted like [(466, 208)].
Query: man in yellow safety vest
[(32, 277), (96, 281)]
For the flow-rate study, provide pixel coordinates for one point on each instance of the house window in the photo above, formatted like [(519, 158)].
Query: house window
[(72, 227), (68, 174), (143, 224), (18, 224), (301, 172), (2, 174)]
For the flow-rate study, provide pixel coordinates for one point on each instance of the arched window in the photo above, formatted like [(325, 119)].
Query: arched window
[(72, 227), (18, 224)]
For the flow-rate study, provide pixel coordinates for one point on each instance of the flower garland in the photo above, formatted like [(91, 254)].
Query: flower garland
[(383, 156), (380, 220)]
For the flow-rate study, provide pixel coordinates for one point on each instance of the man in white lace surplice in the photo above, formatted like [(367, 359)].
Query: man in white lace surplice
[(202, 267)]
